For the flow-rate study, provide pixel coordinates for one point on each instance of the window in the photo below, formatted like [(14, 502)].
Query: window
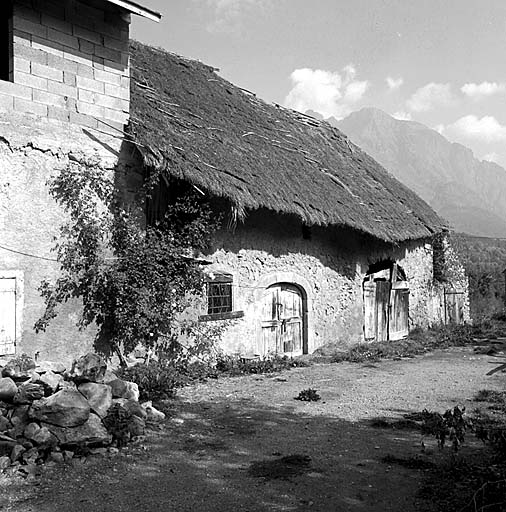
[(219, 293), (220, 298), (6, 45)]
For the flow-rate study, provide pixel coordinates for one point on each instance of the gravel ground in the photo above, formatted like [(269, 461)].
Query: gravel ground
[(244, 443)]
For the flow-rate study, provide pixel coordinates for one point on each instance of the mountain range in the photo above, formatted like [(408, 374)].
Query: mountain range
[(469, 193)]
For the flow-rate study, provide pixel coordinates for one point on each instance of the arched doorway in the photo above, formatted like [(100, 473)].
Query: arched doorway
[(283, 320), (386, 302)]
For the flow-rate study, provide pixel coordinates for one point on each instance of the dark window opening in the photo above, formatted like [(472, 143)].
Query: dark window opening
[(306, 232), (6, 45)]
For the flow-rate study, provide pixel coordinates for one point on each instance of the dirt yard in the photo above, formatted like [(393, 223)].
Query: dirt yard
[(244, 443)]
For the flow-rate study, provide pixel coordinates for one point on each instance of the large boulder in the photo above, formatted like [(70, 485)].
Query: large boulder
[(8, 389), (20, 368), (90, 433), (99, 397), (28, 392), (88, 368), (124, 389), (67, 408)]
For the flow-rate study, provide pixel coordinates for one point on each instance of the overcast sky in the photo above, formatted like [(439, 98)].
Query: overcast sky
[(440, 62)]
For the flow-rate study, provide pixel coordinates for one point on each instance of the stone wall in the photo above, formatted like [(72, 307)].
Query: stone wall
[(70, 62), (330, 267)]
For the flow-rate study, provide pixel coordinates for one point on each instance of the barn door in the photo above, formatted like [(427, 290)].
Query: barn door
[(398, 325), (282, 324), (7, 315), (376, 307)]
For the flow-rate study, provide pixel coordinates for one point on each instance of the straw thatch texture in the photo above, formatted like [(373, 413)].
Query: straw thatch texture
[(194, 125)]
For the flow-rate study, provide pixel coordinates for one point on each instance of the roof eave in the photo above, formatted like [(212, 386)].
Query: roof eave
[(135, 8)]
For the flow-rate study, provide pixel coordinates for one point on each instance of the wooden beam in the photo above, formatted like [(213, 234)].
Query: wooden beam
[(135, 8)]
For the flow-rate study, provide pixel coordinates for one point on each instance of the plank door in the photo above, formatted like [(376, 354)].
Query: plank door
[(454, 307), (382, 310), (282, 320), (7, 316), (398, 327), (370, 320)]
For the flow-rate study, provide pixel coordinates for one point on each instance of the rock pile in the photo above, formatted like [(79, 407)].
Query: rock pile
[(50, 414)]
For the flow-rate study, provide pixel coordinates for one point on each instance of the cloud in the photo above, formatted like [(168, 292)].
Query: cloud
[(229, 14), (330, 93), (480, 91), (402, 116), (394, 83), (430, 96), (487, 129)]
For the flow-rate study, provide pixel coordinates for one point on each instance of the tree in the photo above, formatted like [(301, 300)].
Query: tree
[(133, 281)]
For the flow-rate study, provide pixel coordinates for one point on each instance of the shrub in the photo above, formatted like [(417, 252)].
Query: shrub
[(308, 395), (230, 365)]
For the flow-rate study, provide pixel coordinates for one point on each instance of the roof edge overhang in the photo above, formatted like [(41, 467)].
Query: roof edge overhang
[(135, 8)]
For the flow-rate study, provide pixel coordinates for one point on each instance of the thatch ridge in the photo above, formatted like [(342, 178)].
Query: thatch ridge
[(194, 125)]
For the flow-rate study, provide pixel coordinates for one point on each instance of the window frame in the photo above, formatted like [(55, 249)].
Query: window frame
[(220, 281)]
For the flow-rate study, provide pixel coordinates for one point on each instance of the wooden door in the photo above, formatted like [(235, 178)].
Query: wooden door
[(398, 324), (7, 315), (376, 310), (454, 307), (282, 320)]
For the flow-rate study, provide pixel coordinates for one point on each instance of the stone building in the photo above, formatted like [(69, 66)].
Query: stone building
[(322, 246)]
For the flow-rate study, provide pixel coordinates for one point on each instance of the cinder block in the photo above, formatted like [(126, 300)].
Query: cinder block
[(114, 115), (69, 79), (83, 120), (62, 64), (28, 53), (33, 28), (47, 72), (60, 89), (110, 29), (111, 66), (48, 98), (57, 23), (89, 109), (85, 71), (86, 96), (55, 8), (62, 38), (16, 90), (77, 56), (30, 107), (121, 45), (6, 102), (22, 65), (109, 102), (117, 91), (86, 47), (62, 114), (27, 12), (108, 54), (21, 38), (107, 77), (89, 35), (50, 47), (90, 84), (35, 82)]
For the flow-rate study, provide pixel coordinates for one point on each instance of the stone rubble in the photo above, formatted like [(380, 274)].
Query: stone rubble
[(49, 414)]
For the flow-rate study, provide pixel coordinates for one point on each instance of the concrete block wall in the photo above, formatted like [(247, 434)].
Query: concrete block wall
[(70, 63)]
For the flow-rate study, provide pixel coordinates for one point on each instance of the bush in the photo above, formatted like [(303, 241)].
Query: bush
[(230, 365)]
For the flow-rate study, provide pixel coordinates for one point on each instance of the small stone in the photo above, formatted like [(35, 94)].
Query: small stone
[(19, 368), (50, 381), (57, 457), (132, 406), (30, 456), (50, 366), (5, 424), (67, 384), (16, 453), (28, 392), (112, 450), (5, 462), (124, 389), (8, 389), (43, 437), (136, 426), (68, 455), (31, 430), (153, 414), (88, 368)]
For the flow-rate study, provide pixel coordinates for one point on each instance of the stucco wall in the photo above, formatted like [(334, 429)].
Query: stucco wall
[(31, 151), (330, 267)]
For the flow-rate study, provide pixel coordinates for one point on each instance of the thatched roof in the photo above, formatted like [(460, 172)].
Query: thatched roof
[(194, 125)]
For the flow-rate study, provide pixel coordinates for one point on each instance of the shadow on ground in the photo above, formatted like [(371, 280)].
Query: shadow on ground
[(239, 455)]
